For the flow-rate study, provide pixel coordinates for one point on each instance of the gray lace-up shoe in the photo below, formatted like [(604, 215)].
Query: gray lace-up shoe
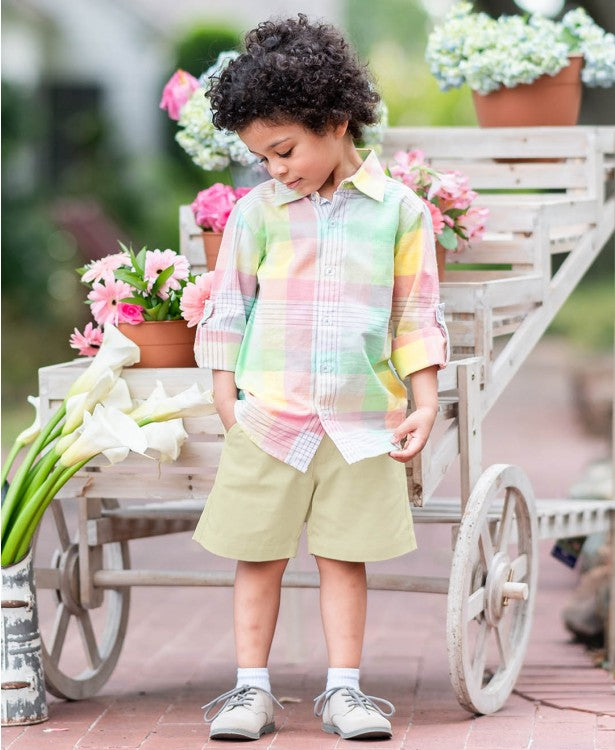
[(352, 714), (246, 713)]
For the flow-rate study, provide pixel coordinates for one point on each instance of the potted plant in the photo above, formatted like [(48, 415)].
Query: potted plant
[(185, 99), (449, 198), (150, 296), (211, 209), (97, 417), (523, 70)]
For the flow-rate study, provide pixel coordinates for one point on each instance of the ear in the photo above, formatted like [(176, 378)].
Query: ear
[(340, 130)]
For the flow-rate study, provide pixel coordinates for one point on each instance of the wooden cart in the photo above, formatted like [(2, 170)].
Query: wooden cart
[(494, 317)]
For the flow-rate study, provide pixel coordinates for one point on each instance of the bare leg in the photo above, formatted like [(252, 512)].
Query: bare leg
[(256, 606), (343, 604)]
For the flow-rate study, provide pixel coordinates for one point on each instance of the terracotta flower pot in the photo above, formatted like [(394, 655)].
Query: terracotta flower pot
[(440, 260), (549, 100), (211, 244), (163, 343)]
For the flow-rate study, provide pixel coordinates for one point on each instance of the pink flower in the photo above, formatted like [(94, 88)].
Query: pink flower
[(472, 223), (127, 313), (194, 296), (156, 261), (212, 207), (88, 343), (241, 191), (407, 168), (178, 89), (453, 191), (98, 269), (436, 216), (105, 299)]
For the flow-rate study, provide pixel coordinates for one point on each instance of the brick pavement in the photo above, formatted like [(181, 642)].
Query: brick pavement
[(178, 652)]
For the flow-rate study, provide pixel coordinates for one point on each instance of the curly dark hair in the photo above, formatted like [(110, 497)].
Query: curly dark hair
[(295, 71)]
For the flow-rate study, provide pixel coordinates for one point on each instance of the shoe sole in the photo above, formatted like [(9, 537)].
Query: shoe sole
[(358, 733), (241, 734)]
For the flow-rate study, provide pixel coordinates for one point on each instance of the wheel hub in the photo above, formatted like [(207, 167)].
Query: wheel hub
[(67, 563), (499, 573)]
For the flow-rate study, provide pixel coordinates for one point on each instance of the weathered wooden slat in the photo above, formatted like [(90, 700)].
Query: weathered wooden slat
[(472, 143)]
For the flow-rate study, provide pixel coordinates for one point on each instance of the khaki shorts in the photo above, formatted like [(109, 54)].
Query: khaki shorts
[(258, 505)]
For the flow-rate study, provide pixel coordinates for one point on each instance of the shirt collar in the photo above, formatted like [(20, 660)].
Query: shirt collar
[(369, 178)]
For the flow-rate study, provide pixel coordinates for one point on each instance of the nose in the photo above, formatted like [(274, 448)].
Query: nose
[(278, 168)]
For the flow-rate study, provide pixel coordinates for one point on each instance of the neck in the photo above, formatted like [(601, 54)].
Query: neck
[(348, 164)]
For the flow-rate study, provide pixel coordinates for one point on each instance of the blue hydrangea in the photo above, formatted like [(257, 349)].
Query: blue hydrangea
[(486, 53)]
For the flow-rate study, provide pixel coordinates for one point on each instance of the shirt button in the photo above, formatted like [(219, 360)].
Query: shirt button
[(325, 368), (325, 413), (329, 271)]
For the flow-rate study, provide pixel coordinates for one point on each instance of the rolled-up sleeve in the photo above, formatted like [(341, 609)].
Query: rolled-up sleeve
[(420, 336), (233, 293)]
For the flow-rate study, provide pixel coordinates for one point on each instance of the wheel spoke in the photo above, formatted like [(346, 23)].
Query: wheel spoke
[(480, 653), (89, 639), (506, 523), (476, 603), (486, 547), (501, 637), (62, 528), (58, 635), (519, 568)]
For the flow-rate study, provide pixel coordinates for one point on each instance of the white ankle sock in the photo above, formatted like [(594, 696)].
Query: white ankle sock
[(254, 676), (342, 677)]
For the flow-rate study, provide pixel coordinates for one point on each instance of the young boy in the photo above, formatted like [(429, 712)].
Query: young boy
[(325, 298)]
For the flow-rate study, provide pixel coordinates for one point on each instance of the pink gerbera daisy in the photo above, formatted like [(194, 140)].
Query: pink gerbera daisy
[(105, 266), (194, 296), (156, 261), (88, 343), (106, 297)]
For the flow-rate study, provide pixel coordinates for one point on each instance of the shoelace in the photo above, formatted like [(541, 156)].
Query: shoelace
[(238, 696), (354, 698)]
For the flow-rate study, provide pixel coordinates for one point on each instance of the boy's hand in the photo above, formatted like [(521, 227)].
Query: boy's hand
[(417, 427)]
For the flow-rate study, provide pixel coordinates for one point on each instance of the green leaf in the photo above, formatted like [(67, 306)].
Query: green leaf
[(134, 301), (448, 239), (140, 261), (162, 278), (164, 307), (130, 278), (81, 271)]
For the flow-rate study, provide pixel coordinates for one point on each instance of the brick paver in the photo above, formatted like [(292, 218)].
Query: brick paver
[(178, 652)]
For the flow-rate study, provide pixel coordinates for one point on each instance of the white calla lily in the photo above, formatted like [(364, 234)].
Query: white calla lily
[(116, 351), (26, 436), (166, 438), (105, 429), (78, 404), (115, 455), (66, 441), (119, 396), (193, 402)]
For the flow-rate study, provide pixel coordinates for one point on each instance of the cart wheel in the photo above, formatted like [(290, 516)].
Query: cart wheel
[(492, 589), (72, 672)]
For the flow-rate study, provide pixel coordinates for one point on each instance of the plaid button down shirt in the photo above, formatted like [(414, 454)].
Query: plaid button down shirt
[(322, 311)]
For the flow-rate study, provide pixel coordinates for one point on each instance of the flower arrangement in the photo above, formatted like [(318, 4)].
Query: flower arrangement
[(447, 195), (487, 54), (212, 207), (185, 99), (97, 417), (132, 288)]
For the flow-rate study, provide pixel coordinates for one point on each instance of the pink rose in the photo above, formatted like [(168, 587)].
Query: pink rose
[(132, 314), (212, 207), (178, 89)]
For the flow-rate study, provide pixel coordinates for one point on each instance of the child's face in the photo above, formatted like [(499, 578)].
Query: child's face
[(296, 156)]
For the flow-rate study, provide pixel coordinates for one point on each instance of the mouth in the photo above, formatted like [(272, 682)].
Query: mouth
[(293, 185)]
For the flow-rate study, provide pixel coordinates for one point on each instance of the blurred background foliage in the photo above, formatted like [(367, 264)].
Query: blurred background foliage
[(59, 151)]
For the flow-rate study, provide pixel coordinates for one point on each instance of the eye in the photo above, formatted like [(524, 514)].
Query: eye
[(284, 156), (260, 161)]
